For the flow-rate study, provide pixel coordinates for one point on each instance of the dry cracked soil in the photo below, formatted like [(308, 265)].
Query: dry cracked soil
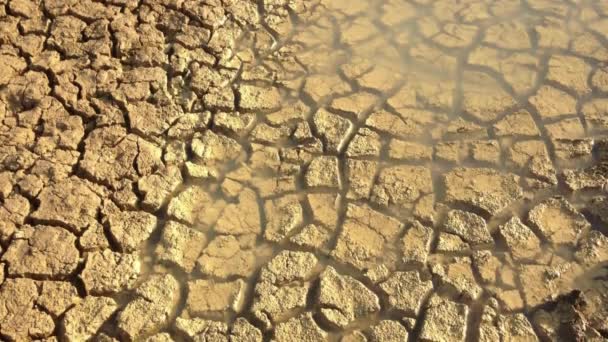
[(303, 170)]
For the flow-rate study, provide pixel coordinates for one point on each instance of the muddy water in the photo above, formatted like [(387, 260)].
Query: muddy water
[(460, 118), (381, 170)]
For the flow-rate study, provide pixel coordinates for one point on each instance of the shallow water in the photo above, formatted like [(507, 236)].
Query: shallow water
[(383, 101)]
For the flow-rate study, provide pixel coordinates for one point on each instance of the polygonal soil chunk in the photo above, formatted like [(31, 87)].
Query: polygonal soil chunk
[(360, 178), (108, 272), (570, 72), (454, 152), (125, 196), (233, 189), (516, 327), (157, 188), (264, 133), (42, 251), (241, 218), (520, 239), (594, 177), (273, 303), (129, 229), (225, 257), (93, 239), (444, 320), (541, 169), (83, 321), (284, 214), (402, 185), (234, 122), (280, 290), (595, 113), (27, 90), (484, 98), (486, 265), (11, 66), (541, 283), (319, 86), (377, 273), (256, 98), (598, 209), (394, 124), (20, 319), (109, 155), (426, 209), (214, 150), (552, 34), (65, 130), (188, 124), (198, 329), (220, 99), (149, 119), (456, 276), (151, 309), (293, 110), (366, 143), (312, 236), (243, 331), (387, 331), (205, 79), (301, 328), (409, 151), (485, 189), (289, 266), (508, 35), (558, 222), (551, 102), (332, 129), (207, 297), (451, 243), (382, 77), (365, 238), (57, 296), (470, 227), (592, 249), (416, 244), (322, 172), (461, 129), (510, 300), (324, 208), (406, 291), (566, 129), (195, 205), (344, 299), (573, 152), (70, 203), (486, 152), (517, 124), (180, 245), (521, 152), (599, 79)]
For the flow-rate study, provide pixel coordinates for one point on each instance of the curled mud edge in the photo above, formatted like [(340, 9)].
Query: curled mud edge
[(291, 170)]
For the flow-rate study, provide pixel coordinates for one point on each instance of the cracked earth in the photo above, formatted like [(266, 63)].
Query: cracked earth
[(303, 170)]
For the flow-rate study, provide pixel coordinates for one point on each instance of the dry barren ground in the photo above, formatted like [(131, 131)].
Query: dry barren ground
[(303, 170)]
